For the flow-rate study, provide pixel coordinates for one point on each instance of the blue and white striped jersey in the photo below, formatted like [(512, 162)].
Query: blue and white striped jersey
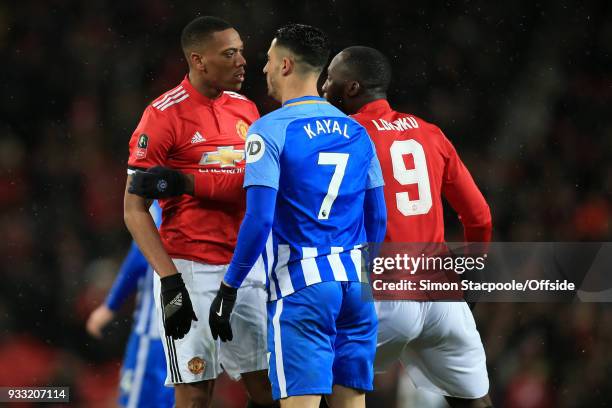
[(321, 162)]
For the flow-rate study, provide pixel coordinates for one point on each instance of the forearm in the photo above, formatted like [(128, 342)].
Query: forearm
[(476, 221), (253, 234), (252, 241), (478, 233), (218, 186), (142, 227), (375, 215), (463, 195), (189, 184), (162, 182), (375, 220)]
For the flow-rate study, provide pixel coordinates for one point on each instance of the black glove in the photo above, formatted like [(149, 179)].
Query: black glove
[(157, 182), (178, 311), (220, 312)]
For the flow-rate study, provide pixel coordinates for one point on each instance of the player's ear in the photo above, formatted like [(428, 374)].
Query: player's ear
[(352, 88), (197, 61), (288, 66)]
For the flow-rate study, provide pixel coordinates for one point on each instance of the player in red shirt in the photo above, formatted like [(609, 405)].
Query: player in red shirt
[(199, 128), (420, 165)]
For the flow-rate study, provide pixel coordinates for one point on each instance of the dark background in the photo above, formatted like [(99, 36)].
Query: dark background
[(522, 88)]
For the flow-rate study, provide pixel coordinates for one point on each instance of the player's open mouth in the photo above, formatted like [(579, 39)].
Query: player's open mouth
[(240, 76)]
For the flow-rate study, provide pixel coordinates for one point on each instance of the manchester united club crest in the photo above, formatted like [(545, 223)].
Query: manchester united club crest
[(242, 129), (196, 365)]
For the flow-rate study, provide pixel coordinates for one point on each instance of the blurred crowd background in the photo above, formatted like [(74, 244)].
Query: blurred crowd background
[(522, 88)]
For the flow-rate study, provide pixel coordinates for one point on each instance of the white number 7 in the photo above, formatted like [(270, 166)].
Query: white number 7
[(339, 160)]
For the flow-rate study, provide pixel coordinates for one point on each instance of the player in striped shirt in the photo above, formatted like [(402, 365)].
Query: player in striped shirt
[(144, 366), (314, 198)]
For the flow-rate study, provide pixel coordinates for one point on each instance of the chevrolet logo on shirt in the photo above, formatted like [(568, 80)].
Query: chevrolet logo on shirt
[(225, 156)]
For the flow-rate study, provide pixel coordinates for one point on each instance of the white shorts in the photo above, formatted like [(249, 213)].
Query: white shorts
[(437, 342), (197, 356)]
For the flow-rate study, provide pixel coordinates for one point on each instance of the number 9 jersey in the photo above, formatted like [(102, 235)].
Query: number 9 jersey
[(321, 162), (420, 165)]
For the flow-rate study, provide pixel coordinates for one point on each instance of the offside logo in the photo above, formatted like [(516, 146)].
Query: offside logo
[(255, 148)]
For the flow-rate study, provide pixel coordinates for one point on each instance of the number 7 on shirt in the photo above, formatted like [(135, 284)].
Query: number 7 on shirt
[(339, 160)]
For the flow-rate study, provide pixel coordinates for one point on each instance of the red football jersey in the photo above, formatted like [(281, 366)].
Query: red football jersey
[(184, 130), (419, 166)]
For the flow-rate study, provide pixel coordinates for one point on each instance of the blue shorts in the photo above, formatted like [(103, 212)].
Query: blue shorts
[(143, 374), (321, 335)]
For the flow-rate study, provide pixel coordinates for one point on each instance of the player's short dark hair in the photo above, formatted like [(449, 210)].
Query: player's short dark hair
[(369, 67), (308, 43), (199, 29)]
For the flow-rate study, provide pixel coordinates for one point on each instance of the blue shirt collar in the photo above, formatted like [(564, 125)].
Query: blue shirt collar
[(304, 98)]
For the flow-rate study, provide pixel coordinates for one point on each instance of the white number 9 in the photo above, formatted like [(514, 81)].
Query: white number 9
[(418, 175)]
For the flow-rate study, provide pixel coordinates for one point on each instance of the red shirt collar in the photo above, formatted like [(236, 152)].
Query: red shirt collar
[(198, 97), (377, 107)]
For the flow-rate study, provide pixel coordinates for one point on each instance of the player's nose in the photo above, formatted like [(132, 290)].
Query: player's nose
[(240, 60)]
